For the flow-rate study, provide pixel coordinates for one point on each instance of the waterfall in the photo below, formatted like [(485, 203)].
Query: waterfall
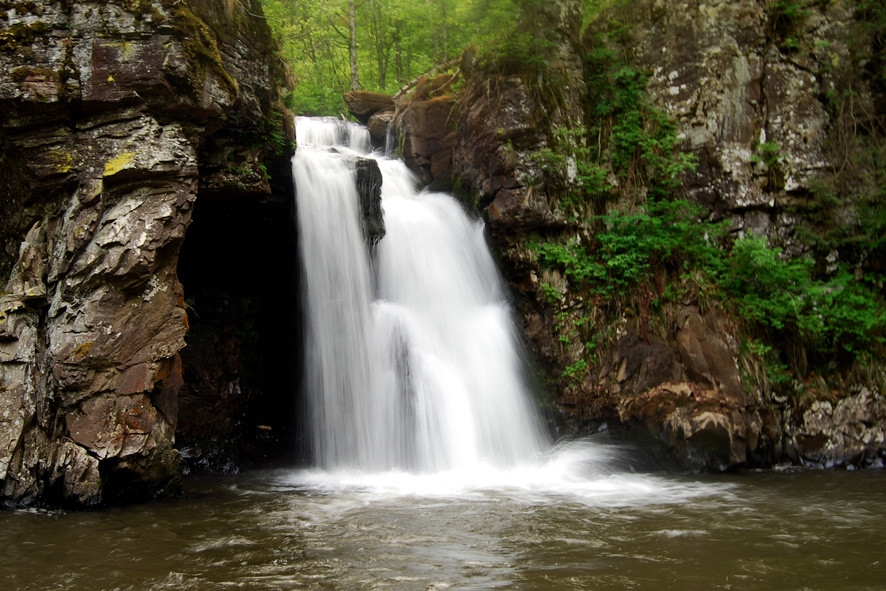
[(413, 359)]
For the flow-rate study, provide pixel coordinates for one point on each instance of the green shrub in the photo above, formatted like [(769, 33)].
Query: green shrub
[(837, 315), (630, 247)]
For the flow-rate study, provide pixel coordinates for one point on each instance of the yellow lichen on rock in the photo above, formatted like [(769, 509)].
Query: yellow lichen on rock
[(62, 160), (83, 350), (115, 165)]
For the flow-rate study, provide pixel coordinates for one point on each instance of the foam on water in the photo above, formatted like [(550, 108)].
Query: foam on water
[(414, 374), (576, 472)]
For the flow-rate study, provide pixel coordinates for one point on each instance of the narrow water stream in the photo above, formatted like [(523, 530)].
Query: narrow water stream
[(795, 530)]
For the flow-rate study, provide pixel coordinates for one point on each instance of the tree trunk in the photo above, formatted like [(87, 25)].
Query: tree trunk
[(443, 31), (381, 51), (352, 43)]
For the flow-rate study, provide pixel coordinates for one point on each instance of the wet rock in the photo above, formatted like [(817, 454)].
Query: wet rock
[(717, 70), (368, 183), (845, 432), (706, 356), (734, 89), (424, 124), (701, 429), (362, 104), (108, 112), (378, 125)]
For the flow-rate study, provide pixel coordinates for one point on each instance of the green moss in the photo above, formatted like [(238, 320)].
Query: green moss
[(118, 163), (62, 160), (20, 34), (201, 42), (21, 74), (83, 350)]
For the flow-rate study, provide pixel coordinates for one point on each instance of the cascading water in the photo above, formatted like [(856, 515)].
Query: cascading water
[(421, 373)]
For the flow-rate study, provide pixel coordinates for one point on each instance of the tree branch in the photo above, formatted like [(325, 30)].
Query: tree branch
[(430, 72)]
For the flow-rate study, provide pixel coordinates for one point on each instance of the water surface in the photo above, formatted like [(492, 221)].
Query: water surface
[(313, 530)]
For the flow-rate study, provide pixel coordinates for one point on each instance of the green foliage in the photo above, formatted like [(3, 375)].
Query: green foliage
[(630, 247), (640, 141), (769, 154), (767, 290), (777, 294), (871, 15), (575, 372), (785, 19), (777, 373), (551, 294), (397, 41), (770, 293), (571, 170), (517, 52)]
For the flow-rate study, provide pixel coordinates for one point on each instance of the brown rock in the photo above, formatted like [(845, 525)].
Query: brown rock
[(707, 358), (427, 132), (362, 104), (107, 110), (378, 124), (704, 430)]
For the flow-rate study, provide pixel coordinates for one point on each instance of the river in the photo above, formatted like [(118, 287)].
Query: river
[(785, 530)]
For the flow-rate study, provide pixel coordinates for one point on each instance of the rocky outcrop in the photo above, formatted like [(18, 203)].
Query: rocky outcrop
[(368, 180), (424, 125), (114, 116), (363, 104), (750, 97), (732, 83), (754, 110)]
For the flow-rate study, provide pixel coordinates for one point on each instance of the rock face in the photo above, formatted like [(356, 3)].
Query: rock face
[(113, 115), (728, 79), (735, 87), (362, 104), (424, 124), (369, 180)]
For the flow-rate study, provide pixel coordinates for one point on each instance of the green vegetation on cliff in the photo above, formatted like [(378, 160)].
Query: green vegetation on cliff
[(621, 178)]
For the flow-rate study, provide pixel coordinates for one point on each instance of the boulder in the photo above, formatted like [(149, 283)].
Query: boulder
[(362, 104), (368, 183), (378, 125)]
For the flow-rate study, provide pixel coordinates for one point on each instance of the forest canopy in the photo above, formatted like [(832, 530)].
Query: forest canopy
[(396, 41)]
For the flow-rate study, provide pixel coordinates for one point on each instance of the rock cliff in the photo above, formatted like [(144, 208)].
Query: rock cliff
[(114, 118), (751, 93)]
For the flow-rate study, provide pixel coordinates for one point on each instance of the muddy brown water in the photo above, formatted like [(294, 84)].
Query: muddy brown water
[(786, 530)]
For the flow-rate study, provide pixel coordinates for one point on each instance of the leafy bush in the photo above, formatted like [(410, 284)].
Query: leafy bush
[(839, 314), (641, 141), (630, 247), (769, 293), (657, 247), (571, 169)]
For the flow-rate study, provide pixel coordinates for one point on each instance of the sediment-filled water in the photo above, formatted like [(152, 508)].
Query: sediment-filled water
[(793, 530)]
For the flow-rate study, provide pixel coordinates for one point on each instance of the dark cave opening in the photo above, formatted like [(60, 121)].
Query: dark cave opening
[(242, 362)]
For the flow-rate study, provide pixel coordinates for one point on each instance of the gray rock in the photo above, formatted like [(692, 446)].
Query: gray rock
[(108, 111)]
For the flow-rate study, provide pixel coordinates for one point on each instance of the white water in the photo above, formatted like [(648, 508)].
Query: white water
[(422, 374), (414, 375)]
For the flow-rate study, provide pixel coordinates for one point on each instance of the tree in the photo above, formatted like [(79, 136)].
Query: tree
[(352, 43)]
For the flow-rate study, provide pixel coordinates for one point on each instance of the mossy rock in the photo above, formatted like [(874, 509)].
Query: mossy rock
[(201, 42), (21, 34)]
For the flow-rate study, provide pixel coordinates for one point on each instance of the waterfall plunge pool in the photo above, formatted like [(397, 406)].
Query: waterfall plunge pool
[(789, 530), (413, 363)]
